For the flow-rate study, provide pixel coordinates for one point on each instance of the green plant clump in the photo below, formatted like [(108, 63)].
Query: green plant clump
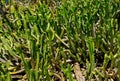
[(60, 40)]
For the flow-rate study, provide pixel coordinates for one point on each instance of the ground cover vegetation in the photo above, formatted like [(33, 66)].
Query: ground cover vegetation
[(60, 40)]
